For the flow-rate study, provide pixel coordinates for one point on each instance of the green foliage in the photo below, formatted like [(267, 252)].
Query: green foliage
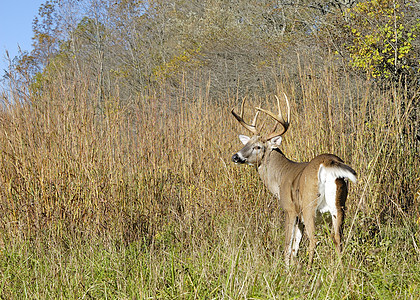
[(382, 40)]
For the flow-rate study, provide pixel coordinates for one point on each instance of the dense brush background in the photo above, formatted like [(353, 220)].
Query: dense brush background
[(116, 137)]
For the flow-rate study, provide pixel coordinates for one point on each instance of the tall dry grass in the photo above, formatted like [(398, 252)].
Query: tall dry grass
[(155, 172)]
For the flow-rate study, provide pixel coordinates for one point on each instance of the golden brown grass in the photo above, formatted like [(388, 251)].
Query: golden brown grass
[(138, 198)]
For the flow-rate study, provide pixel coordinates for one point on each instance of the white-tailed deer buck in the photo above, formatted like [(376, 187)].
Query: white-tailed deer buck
[(303, 189)]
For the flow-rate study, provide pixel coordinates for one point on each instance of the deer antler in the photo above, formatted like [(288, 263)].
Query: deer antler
[(251, 127), (279, 118)]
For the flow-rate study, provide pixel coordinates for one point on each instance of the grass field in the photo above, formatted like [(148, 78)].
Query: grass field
[(138, 199)]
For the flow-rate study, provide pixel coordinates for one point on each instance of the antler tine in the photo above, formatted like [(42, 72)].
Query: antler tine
[(279, 118), (278, 107), (288, 107), (251, 127), (242, 107), (254, 121)]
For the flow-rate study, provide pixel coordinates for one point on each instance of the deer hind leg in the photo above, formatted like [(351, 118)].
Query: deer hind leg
[(291, 226), (338, 216)]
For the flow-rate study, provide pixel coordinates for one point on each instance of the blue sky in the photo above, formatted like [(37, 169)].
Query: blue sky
[(16, 18)]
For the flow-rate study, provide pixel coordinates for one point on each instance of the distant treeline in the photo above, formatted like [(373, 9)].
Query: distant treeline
[(219, 46)]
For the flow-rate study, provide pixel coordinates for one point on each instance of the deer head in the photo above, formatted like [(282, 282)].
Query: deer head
[(256, 146)]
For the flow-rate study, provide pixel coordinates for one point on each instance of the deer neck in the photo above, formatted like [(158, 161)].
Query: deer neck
[(273, 166)]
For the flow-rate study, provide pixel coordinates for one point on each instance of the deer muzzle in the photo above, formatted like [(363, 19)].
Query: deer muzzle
[(238, 159)]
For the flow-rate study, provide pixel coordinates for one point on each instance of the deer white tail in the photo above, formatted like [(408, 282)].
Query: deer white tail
[(336, 170), (327, 186)]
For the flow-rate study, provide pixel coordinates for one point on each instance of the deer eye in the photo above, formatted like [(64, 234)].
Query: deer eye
[(257, 147)]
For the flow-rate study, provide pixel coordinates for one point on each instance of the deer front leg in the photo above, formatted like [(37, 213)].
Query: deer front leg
[(298, 230)]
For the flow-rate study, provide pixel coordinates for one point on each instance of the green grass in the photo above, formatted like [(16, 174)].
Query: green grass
[(235, 267)]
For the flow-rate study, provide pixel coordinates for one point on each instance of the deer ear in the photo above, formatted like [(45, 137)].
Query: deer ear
[(244, 139), (276, 141)]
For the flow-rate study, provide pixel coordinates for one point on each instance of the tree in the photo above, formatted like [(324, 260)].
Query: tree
[(379, 39)]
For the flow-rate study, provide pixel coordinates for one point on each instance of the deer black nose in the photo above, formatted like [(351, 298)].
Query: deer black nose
[(237, 159)]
